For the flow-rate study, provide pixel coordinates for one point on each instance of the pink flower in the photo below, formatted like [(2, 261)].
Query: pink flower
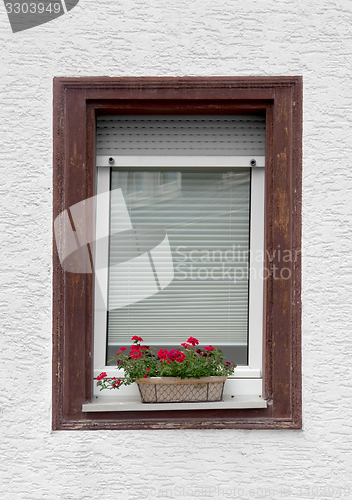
[(193, 341), (172, 355), (102, 375), (209, 348)]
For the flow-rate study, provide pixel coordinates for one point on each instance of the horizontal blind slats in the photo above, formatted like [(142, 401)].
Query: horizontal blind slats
[(198, 217)]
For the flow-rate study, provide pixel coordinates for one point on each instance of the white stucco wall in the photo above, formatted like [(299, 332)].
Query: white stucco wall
[(152, 37)]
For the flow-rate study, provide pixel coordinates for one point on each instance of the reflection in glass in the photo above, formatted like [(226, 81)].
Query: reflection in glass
[(205, 215)]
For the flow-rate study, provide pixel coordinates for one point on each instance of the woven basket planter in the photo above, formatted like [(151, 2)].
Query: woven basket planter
[(177, 390)]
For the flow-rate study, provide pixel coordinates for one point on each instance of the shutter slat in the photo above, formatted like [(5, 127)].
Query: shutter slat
[(183, 135)]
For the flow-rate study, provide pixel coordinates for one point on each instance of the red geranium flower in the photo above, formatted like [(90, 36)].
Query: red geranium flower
[(176, 355), (209, 348), (185, 345), (135, 347), (193, 341), (180, 357), (163, 353), (135, 354), (137, 339), (102, 375)]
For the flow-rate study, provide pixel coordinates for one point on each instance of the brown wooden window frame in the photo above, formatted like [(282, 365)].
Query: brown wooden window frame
[(77, 102)]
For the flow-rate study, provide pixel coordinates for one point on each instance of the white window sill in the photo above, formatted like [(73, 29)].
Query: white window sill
[(133, 403)]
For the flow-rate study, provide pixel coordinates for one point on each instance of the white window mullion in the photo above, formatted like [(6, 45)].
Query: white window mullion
[(101, 277), (186, 160)]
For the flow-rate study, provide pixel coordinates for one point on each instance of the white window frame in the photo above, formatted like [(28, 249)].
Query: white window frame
[(247, 380)]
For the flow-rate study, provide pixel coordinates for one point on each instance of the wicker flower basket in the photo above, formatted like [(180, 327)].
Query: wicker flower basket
[(177, 390)]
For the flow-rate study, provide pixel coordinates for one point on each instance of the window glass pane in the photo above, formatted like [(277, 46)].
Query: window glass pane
[(194, 224)]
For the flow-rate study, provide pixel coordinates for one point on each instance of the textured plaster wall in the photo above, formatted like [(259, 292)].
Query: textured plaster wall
[(199, 37)]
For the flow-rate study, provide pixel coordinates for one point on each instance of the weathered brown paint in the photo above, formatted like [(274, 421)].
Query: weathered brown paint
[(77, 101)]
